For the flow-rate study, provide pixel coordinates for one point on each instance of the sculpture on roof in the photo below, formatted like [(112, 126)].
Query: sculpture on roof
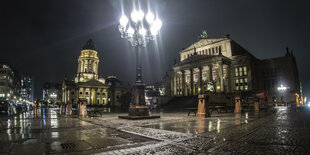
[(203, 35)]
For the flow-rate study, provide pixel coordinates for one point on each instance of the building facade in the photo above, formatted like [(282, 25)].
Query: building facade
[(10, 85), (27, 87), (52, 92), (221, 65), (88, 85)]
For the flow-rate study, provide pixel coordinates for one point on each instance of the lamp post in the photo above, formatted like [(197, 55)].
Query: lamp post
[(139, 29)]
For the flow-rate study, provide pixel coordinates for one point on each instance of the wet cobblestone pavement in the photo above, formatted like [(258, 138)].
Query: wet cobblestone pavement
[(283, 130)]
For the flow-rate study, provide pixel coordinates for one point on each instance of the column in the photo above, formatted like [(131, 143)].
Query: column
[(96, 95), (200, 80), (175, 84), (191, 81), (183, 83), (101, 96), (210, 73), (221, 76), (90, 101)]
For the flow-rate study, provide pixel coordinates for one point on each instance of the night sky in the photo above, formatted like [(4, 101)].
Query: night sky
[(45, 37)]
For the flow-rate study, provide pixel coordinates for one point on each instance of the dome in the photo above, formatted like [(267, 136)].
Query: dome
[(90, 45)]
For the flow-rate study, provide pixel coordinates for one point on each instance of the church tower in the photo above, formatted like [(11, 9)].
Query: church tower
[(88, 63)]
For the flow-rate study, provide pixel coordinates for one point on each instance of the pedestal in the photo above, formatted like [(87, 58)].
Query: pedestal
[(82, 107), (203, 106), (69, 108), (256, 106), (137, 108), (237, 105), (63, 108)]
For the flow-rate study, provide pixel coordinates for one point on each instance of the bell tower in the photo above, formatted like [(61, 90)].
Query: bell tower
[(88, 63)]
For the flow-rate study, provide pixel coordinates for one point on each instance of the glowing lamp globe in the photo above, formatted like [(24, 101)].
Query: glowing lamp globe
[(123, 21)]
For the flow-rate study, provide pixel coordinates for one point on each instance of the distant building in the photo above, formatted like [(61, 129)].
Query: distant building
[(9, 83), (52, 92), (221, 65), (88, 85), (27, 87)]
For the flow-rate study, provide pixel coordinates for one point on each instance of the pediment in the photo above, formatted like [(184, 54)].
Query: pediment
[(204, 42)]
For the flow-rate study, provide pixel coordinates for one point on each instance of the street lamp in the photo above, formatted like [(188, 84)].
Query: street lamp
[(139, 29), (282, 89)]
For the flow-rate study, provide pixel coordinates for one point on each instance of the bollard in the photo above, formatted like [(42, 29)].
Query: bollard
[(69, 108), (203, 106), (237, 105), (82, 107), (256, 106)]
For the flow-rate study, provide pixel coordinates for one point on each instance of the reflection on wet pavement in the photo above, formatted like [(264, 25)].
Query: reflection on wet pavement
[(44, 131), (202, 125)]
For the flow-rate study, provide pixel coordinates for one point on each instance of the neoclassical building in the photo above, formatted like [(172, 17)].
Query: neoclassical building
[(221, 65), (87, 83)]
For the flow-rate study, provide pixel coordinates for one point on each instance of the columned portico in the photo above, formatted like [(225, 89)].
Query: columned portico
[(201, 76)]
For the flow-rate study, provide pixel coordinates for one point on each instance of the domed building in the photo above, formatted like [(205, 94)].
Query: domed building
[(87, 84)]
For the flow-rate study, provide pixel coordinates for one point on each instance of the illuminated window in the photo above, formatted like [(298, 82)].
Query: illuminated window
[(236, 72), (195, 77), (187, 78), (204, 76), (245, 72), (2, 95), (213, 75), (240, 71)]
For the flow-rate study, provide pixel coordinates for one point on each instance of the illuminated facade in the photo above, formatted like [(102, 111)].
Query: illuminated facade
[(87, 83), (52, 92), (27, 87), (88, 63), (221, 65), (9, 83)]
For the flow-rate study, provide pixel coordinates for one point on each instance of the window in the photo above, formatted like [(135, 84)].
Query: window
[(212, 50), (213, 75), (72, 93), (86, 93), (209, 51), (187, 78), (103, 94), (203, 52), (204, 76), (220, 49), (195, 77), (81, 93), (98, 93), (216, 49), (241, 84), (245, 72), (236, 72), (240, 71)]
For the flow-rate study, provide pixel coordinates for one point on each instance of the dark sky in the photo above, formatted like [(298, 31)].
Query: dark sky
[(45, 37)]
